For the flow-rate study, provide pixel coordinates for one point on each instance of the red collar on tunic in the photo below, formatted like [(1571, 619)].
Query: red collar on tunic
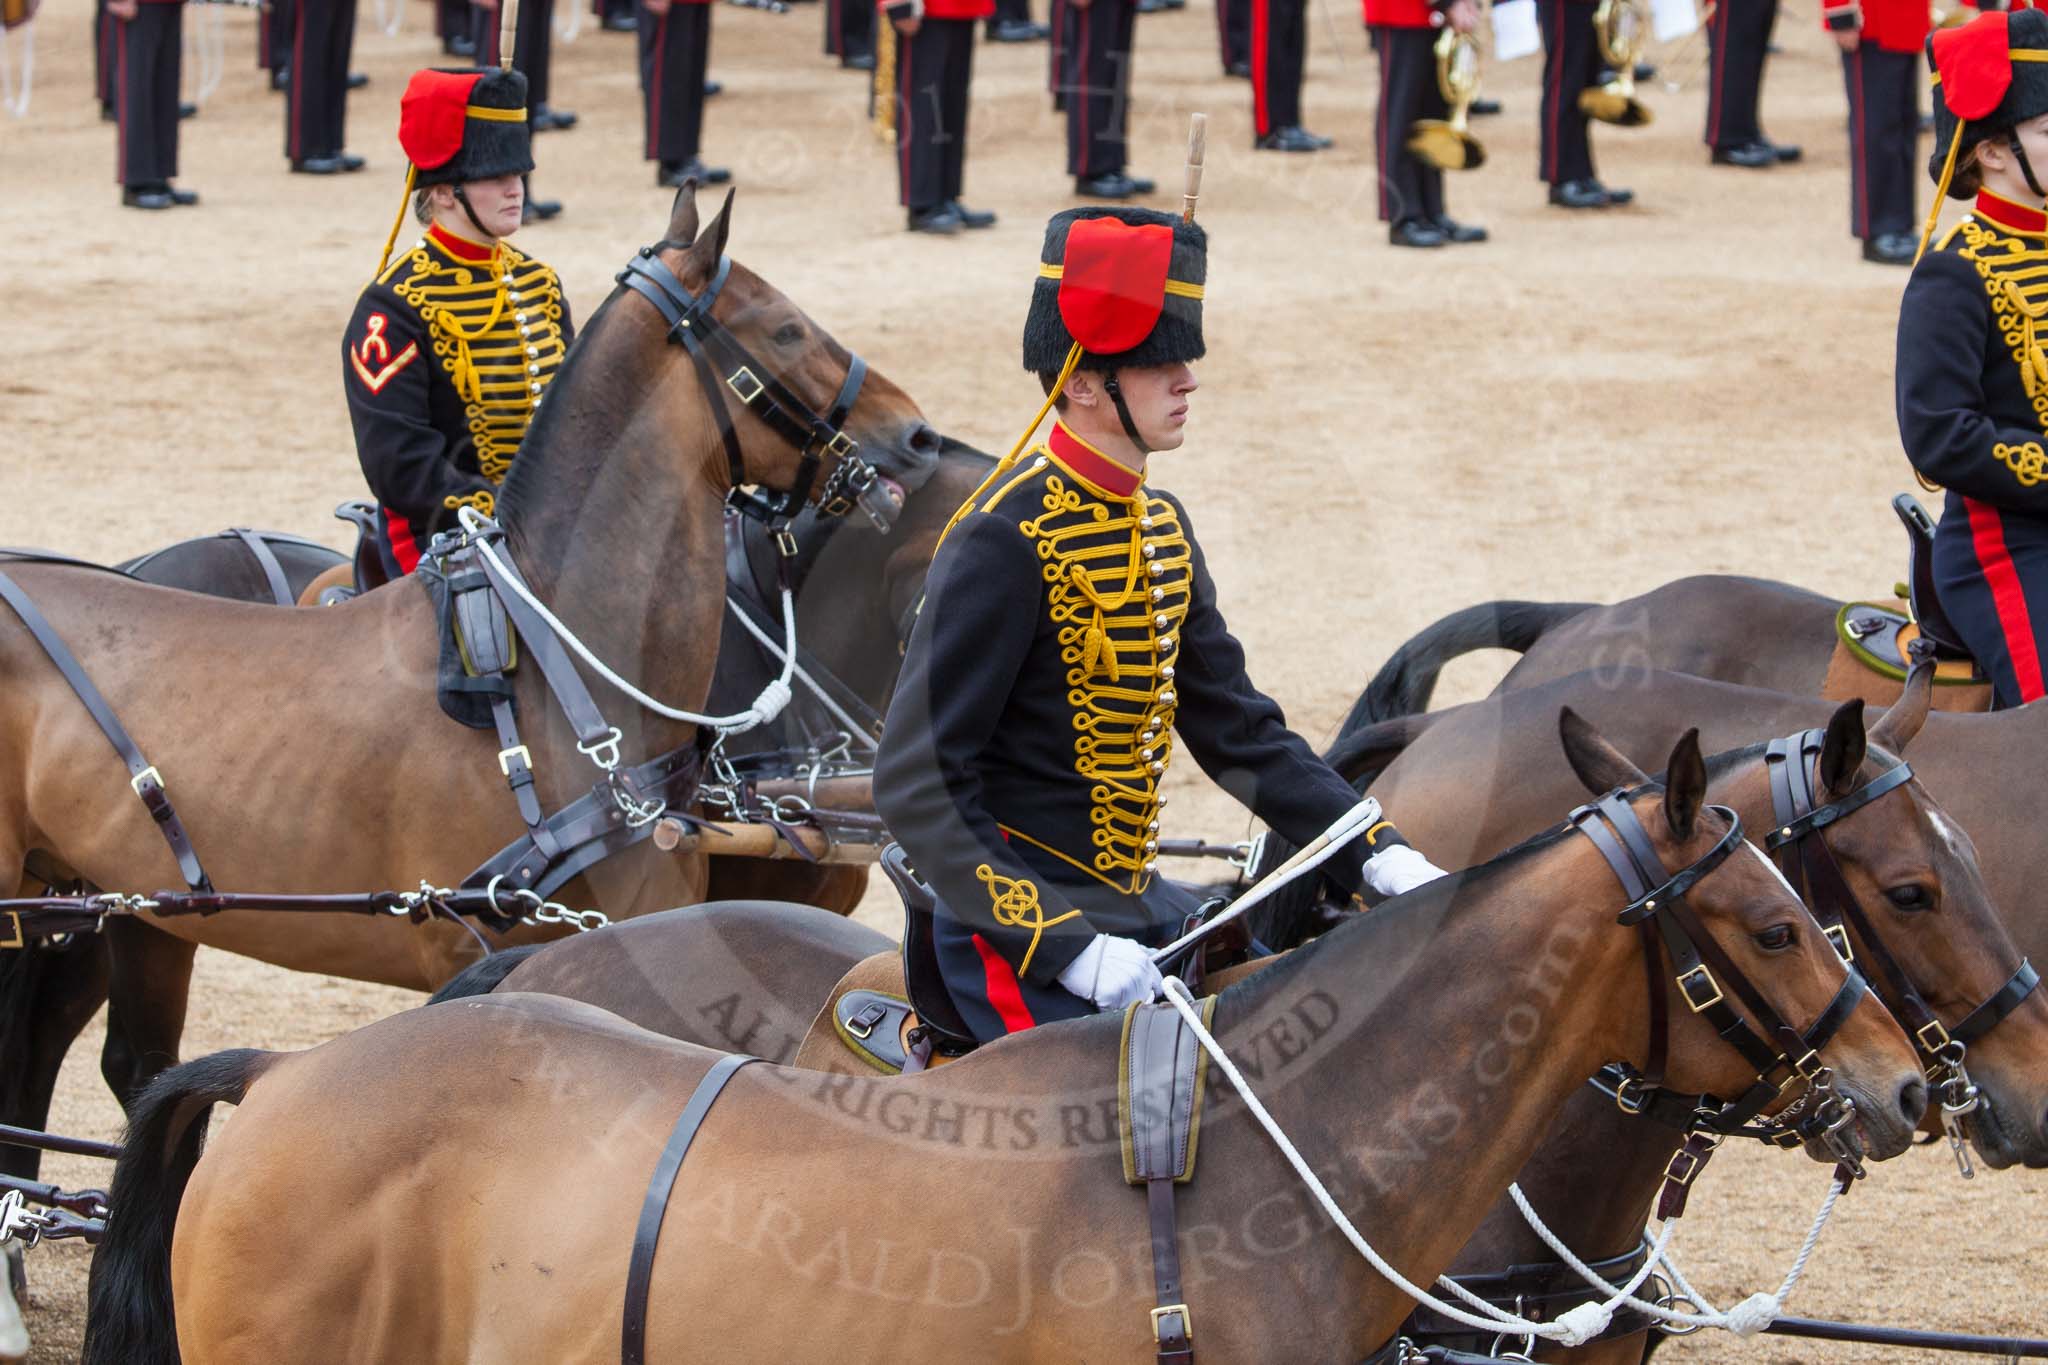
[(1091, 464), (460, 248), (2007, 214)]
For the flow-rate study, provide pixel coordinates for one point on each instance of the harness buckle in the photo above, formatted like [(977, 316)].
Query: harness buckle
[(1685, 1165), (19, 938), (1632, 1095), (1179, 1310), (1693, 1001), (149, 775), (505, 757), (1932, 1037), (841, 445), (863, 1023), (1838, 935), (603, 752), (745, 384), (785, 543), (1812, 1070)]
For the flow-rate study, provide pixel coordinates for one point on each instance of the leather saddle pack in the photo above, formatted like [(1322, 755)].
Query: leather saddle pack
[(1877, 642)]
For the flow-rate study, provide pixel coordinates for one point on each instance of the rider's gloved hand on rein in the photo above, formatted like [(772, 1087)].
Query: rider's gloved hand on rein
[(1112, 972), (1398, 868)]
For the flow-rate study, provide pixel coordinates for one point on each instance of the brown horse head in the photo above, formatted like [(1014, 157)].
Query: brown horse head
[(1766, 932)]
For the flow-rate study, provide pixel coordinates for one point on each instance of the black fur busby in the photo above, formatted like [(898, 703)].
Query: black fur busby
[(459, 126), (1981, 88), (1113, 286)]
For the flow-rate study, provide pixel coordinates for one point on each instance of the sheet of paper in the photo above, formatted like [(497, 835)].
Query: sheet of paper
[(1671, 20), (1514, 30)]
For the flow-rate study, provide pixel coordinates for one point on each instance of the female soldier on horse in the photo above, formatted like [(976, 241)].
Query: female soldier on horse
[(1070, 631), (1972, 372), (453, 344)]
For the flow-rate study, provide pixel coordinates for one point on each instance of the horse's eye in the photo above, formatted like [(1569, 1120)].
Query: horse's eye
[(789, 334), (1909, 897), (1775, 939)]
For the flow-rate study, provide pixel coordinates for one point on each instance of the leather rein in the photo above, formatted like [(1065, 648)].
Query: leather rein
[(852, 483), (1810, 865), (1704, 976)]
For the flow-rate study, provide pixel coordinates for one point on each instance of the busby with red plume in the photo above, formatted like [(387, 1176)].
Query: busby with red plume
[(459, 126), (1124, 284)]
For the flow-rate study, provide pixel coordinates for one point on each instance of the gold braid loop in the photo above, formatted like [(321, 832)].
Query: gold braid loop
[(1014, 903)]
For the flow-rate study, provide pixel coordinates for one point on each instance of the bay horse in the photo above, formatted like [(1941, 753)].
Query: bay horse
[(974, 1212), (749, 978), (305, 750)]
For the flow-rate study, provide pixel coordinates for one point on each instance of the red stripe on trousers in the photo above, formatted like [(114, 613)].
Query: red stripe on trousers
[(1859, 149), (654, 86), (1261, 120), (1714, 100), (121, 100), (404, 547), (1987, 536), (1003, 991)]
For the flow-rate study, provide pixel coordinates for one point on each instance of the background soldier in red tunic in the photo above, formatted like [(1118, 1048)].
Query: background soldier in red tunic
[(1279, 55), (1881, 42), (934, 68), (147, 38), (1404, 34)]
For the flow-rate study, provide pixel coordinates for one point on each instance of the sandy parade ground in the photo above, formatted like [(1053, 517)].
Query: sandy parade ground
[(1585, 407)]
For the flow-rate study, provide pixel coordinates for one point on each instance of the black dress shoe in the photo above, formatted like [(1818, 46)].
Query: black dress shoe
[(621, 23), (540, 210), (1242, 70), (281, 78), (858, 61), (458, 46), (1646, 71), (1416, 232), (971, 218), (1483, 108), (1616, 196), (1785, 151), (327, 165), (546, 118), (1455, 231), (713, 88), (1151, 6), (357, 80), (186, 111), (1017, 31), (1115, 185), (944, 220), (1891, 248), (674, 173), (146, 197), (183, 199), (1927, 123), (1291, 140), (1754, 156), (1579, 194)]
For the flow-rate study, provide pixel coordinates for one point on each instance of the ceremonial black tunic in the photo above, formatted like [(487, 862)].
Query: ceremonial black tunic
[(1973, 414), (447, 356), (1069, 634)]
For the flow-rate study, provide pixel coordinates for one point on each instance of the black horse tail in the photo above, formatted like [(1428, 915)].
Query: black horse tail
[(484, 975), (1405, 682), (128, 1319)]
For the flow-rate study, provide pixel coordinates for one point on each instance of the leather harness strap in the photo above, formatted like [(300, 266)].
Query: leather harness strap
[(147, 783), (266, 560), (640, 1271), (1159, 1092)]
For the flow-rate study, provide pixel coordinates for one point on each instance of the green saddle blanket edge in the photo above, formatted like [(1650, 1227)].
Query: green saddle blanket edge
[(1877, 663)]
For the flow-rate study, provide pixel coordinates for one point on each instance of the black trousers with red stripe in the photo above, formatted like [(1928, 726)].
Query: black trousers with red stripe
[(1991, 574), (934, 68), (147, 49), (316, 109), (103, 55), (1056, 60), (1234, 32), (451, 21), (674, 49), (532, 46), (1011, 12), (1737, 37), (1095, 84), (1884, 139), (849, 27), (1409, 186), (1571, 59), (274, 35), (1279, 54)]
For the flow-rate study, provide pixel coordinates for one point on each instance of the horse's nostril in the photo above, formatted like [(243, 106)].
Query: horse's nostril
[(1913, 1099), (925, 441)]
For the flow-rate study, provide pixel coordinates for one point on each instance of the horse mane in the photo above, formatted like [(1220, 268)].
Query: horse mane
[(524, 494)]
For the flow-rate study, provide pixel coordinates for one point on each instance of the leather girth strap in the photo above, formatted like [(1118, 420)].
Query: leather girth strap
[(143, 777), (640, 1270), (266, 560), (1159, 1099)]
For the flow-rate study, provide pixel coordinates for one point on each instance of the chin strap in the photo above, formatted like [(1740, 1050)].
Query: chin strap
[(463, 199), (1123, 412), (2012, 140)]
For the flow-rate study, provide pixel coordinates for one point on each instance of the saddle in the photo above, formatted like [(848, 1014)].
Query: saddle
[(1877, 642)]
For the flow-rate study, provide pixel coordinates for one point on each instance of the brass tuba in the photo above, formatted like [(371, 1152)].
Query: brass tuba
[(1444, 143), (1620, 26)]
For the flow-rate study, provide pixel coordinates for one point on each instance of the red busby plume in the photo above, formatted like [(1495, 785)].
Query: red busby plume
[(1113, 284)]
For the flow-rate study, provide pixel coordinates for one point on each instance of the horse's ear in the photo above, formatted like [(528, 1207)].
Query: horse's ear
[(710, 244), (1599, 765), (1896, 727), (682, 215), (1685, 785), (1843, 748)]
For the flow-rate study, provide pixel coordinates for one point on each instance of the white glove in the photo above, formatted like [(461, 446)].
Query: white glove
[(1112, 972), (1398, 868)]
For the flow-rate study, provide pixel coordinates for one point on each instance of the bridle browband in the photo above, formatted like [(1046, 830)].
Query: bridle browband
[(1810, 865), (1704, 975), (853, 481)]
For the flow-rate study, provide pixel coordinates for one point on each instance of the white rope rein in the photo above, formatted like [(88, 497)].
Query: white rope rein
[(1575, 1326), (16, 103), (774, 697), (853, 729)]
